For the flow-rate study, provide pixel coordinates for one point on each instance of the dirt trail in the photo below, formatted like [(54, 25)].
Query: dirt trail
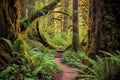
[(67, 72)]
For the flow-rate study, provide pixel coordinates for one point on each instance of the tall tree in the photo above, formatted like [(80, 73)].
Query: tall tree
[(75, 40), (9, 26), (104, 30), (65, 20)]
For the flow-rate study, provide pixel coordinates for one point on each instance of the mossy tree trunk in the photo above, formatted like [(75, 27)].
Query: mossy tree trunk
[(23, 4), (75, 40), (24, 24), (65, 20), (104, 30), (9, 26), (31, 4)]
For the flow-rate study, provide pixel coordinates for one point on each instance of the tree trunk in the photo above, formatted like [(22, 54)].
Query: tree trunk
[(65, 20), (42, 38), (75, 40), (104, 30), (23, 8), (31, 3), (9, 26)]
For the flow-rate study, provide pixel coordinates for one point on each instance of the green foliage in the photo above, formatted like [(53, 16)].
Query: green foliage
[(8, 42), (61, 39), (96, 70), (6, 71), (99, 69), (30, 62), (18, 49), (43, 60), (114, 57), (73, 58)]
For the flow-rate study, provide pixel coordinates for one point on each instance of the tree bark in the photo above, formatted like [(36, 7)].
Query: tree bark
[(75, 40), (104, 30), (23, 8), (41, 38), (65, 20), (9, 14), (9, 26)]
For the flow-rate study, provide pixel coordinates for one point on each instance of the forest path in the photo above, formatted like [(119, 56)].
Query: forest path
[(67, 72)]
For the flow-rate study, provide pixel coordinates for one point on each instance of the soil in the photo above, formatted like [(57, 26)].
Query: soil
[(67, 73)]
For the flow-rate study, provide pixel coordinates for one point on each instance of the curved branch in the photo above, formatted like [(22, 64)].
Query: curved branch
[(37, 14), (62, 13), (42, 38)]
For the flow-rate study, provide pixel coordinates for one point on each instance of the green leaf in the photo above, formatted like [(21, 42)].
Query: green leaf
[(6, 71), (37, 70), (29, 79), (8, 42)]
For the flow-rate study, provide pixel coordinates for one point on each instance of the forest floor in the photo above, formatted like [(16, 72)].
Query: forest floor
[(68, 72)]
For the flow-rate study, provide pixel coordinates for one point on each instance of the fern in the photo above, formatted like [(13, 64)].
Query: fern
[(101, 68), (32, 60), (73, 58), (6, 71), (37, 70), (95, 69), (61, 40), (8, 42), (114, 57)]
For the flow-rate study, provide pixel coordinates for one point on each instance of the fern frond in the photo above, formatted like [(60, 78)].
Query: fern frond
[(8, 42)]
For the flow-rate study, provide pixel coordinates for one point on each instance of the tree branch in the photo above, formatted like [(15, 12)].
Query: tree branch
[(37, 14), (67, 14)]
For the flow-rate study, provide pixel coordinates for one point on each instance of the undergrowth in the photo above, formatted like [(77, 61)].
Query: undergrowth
[(101, 68), (30, 62), (72, 58), (60, 40)]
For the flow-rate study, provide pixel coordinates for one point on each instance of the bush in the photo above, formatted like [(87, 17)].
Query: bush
[(61, 39), (31, 63), (101, 68), (72, 58)]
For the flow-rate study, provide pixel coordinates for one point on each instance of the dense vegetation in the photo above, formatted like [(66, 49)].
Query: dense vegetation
[(32, 30)]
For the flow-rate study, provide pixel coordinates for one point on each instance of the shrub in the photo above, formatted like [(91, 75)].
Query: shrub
[(73, 58), (31, 63), (100, 69)]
